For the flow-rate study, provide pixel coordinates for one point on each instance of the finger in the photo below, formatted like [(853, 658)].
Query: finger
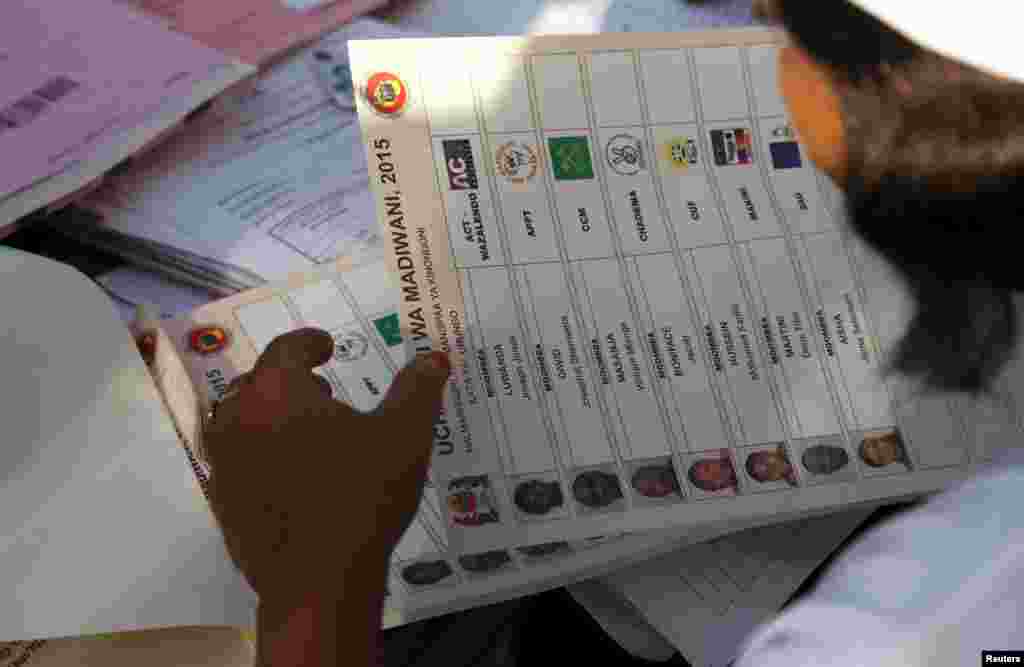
[(236, 384), (299, 350), (415, 395)]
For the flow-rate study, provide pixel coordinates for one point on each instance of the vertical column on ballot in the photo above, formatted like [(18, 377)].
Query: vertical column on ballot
[(357, 365), (470, 467), (421, 560), (810, 204), (366, 357), (361, 367), (649, 443), (797, 337), (516, 155), (697, 168), (594, 467), (693, 382), (931, 431)]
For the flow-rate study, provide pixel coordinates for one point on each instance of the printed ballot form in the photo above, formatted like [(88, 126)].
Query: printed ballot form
[(197, 356), (654, 314), (106, 421)]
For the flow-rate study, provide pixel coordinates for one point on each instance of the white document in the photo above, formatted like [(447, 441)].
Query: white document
[(103, 523), (269, 181), (706, 599), (655, 315)]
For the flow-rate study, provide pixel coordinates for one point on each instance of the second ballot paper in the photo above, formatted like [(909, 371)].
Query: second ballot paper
[(654, 313)]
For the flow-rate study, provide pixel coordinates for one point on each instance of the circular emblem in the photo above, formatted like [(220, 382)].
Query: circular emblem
[(516, 161), (387, 94), (207, 340), (350, 345), (625, 154)]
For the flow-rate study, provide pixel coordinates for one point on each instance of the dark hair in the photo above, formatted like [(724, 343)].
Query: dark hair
[(426, 573), (901, 452), (757, 457), (536, 496), (657, 473), (596, 488), (824, 459), (935, 170)]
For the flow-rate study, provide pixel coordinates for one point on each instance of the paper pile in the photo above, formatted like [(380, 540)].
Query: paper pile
[(269, 181), (72, 106)]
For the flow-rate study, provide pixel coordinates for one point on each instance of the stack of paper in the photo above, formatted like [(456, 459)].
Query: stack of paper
[(256, 31), (269, 181), (73, 104)]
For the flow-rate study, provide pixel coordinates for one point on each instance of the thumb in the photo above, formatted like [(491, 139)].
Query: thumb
[(417, 392), (299, 350)]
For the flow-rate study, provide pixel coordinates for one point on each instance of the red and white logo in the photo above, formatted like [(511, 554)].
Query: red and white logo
[(207, 340), (387, 94)]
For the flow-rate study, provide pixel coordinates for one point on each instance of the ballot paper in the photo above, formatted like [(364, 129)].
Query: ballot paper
[(705, 599), (255, 31), (104, 519), (655, 313), (72, 106), (429, 576), (89, 432), (269, 181)]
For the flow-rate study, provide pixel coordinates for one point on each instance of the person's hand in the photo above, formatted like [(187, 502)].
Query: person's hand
[(307, 490)]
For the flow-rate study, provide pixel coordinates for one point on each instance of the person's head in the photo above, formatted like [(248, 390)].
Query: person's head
[(655, 481), (537, 496), (426, 573), (880, 449), (930, 152), (824, 459), (712, 475), (769, 465), (596, 488)]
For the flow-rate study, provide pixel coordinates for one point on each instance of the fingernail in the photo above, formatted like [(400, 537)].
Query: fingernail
[(433, 362)]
